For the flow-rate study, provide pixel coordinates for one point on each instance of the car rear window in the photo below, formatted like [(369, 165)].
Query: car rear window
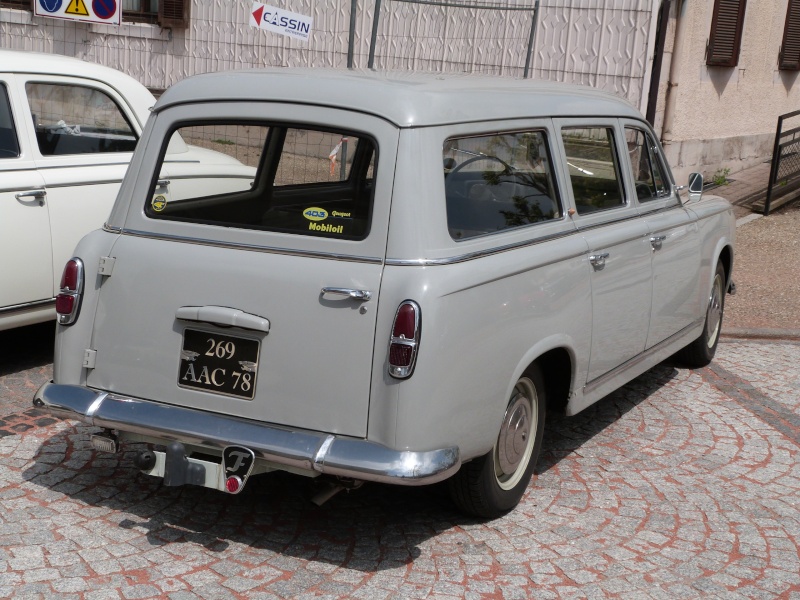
[(498, 181), (269, 177)]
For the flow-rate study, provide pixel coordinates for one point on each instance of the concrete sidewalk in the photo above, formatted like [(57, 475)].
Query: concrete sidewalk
[(767, 303)]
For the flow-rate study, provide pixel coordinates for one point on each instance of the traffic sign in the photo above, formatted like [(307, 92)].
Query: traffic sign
[(89, 11)]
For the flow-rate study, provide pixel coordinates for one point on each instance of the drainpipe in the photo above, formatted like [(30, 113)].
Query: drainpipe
[(674, 73)]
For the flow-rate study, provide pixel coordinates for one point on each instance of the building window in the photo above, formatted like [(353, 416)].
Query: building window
[(725, 38), (140, 11), (789, 58), (22, 4)]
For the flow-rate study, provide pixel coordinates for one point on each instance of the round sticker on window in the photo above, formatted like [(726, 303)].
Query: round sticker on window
[(159, 203), (315, 214)]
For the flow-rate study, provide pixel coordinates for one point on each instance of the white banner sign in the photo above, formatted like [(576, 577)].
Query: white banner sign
[(280, 21), (91, 11)]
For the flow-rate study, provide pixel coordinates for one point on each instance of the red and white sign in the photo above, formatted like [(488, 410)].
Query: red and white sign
[(281, 21)]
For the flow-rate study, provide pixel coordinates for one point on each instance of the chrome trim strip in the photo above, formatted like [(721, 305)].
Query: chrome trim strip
[(247, 247), (51, 186), (434, 262), (27, 306), (599, 381), (111, 228), (309, 450)]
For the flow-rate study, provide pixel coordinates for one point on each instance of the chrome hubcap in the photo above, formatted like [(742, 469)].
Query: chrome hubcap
[(515, 441), (714, 314)]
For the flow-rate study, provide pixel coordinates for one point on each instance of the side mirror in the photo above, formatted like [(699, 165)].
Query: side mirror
[(695, 186)]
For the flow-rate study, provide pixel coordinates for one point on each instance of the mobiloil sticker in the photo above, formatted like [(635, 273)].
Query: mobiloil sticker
[(280, 21)]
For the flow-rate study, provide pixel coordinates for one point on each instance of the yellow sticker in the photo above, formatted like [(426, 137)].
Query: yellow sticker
[(159, 203), (315, 214)]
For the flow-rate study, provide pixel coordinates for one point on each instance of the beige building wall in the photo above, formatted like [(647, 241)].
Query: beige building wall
[(714, 118)]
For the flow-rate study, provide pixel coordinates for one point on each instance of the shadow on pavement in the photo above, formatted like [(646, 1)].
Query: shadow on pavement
[(26, 347), (374, 528)]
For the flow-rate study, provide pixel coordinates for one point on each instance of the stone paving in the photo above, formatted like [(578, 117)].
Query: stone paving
[(684, 484)]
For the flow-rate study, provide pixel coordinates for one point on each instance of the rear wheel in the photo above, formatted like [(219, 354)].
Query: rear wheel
[(493, 484), (701, 351)]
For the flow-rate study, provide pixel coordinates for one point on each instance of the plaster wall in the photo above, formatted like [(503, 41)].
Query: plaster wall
[(602, 43), (725, 117)]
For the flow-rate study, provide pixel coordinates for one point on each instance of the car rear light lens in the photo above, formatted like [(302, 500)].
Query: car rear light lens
[(404, 343), (68, 301)]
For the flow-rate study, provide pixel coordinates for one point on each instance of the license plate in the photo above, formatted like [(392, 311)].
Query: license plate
[(221, 364)]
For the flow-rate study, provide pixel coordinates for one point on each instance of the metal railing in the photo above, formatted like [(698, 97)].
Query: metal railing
[(785, 157)]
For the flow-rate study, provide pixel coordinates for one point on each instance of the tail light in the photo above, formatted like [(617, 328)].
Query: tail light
[(68, 301), (404, 343)]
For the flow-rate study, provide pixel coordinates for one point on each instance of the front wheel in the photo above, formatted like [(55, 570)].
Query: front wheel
[(493, 484), (701, 351)]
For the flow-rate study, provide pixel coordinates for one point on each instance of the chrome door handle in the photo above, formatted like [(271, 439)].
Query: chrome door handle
[(363, 295), (38, 194), (598, 260), (656, 240)]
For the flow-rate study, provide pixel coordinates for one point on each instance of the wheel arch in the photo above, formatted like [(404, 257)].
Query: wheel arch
[(556, 362)]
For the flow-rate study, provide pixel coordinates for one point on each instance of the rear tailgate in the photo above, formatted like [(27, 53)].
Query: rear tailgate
[(259, 302)]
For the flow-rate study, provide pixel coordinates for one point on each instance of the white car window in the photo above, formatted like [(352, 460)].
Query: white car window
[(9, 145), (73, 119), (498, 181), (593, 168), (275, 178), (647, 169)]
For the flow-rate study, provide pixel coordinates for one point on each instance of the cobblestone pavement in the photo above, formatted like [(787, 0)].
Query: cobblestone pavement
[(684, 484)]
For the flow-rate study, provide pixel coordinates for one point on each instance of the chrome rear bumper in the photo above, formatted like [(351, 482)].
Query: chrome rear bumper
[(320, 452)]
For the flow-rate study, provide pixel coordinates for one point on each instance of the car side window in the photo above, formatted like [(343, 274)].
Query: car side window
[(648, 172), (9, 144), (497, 182), (73, 119), (593, 168)]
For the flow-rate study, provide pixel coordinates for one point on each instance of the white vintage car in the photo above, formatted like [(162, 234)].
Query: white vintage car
[(68, 129), (421, 266)]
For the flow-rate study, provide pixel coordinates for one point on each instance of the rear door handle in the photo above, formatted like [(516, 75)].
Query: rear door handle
[(38, 194), (656, 241), (363, 295), (598, 260)]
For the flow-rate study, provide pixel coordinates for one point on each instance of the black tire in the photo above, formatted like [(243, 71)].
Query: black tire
[(493, 484), (701, 351)]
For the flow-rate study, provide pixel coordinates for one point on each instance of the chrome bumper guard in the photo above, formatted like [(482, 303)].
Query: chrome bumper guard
[(324, 453)]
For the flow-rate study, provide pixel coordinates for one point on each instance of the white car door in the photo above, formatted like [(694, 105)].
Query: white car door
[(26, 262), (85, 135), (674, 237), (618, 262)]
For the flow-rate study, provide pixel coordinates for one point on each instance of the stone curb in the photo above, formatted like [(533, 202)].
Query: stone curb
[(761, 333)]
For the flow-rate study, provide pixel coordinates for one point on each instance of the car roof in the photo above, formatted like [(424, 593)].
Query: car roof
[(407, 99), (39, 63)]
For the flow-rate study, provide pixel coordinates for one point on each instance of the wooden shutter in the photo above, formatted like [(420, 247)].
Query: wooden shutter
[(725, 38), (174, 13), (789, 57)]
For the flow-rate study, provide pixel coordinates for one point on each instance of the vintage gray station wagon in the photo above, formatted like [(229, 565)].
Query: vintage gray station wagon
[(410, 271)]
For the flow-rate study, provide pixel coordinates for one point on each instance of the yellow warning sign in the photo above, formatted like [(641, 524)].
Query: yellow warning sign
[(77, 7)]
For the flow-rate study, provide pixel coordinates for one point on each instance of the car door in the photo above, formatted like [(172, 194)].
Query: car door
[(26, 262), (252, 289), (674, 236), (618, 262), (84, 136)]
